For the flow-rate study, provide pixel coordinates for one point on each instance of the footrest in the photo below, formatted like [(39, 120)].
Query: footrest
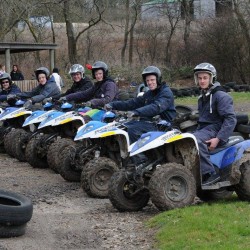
[(217, 185)]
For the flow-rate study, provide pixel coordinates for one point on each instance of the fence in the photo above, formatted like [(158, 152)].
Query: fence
[(26, 85)]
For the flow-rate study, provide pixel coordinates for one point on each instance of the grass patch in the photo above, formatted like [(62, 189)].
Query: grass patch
[(220, 225), (238, 97)]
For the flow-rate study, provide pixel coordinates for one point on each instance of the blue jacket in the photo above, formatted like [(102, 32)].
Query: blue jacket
[(152, 103), (216, 109), (37, 94), (14, 89), (101, 93)]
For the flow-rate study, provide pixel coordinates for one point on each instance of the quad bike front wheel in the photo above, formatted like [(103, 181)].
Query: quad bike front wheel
[(55, 150), (126, 196), (242, 189), (36, 152), (96, 175), (172, 186), (9, 142), (21, 143)]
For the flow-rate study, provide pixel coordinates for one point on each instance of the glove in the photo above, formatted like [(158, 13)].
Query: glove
[(28, 104), (62, 99), (87, 104), (11, 96), (108, 107), (132, 114), (45, 100)]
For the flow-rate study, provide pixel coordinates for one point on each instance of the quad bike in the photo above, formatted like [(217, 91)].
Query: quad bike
[(56, 132), (11, 120), (171, 177), (107, 150)]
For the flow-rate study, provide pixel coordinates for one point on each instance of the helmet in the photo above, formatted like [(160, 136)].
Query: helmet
[(100, 65), (77, 68), (152, 70), (5, 76), (42, 70), (205, 68)]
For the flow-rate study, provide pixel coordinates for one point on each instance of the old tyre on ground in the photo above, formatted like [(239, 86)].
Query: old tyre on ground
[(36, 151), (124, 195), (15, 211), (96, 175), (9, 142), (21, 143), (242, 189), (172, 186), (55, 150)]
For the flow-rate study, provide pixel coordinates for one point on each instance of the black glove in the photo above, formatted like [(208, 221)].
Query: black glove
[(108, 107), (87, 104), (11, 96), (28, 104), (48, 99), (62, 99)]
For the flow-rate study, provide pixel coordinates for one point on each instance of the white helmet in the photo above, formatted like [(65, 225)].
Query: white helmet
[(77, 68), (205, 68)]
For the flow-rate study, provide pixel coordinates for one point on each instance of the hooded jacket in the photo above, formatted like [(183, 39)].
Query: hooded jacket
[(37, 94), (101, 93), (152, 103), (216, 109)]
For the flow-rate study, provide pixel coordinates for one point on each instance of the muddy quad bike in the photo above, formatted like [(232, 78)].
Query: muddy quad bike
[(66, 123), (12, 119), (171, 177)]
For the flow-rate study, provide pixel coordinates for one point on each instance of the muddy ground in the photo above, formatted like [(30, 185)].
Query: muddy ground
[(64, 217)]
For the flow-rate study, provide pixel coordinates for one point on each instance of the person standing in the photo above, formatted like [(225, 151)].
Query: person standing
[(217, 119), (16, 74), (58, 78)]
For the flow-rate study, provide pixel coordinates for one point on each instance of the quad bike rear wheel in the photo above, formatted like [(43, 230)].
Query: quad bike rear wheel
[(125, 196), (172, 186), (242, 189), (96, 175)]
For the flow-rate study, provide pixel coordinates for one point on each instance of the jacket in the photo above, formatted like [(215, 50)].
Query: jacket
[(101, 93), (37, 94), (16, 76), (14, 89), (152, 103), (216, 109)]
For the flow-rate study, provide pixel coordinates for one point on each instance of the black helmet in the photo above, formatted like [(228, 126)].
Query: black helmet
[(205, 68), (152, 70), (42, 70), (5, 76), (100, 65), (77, 68)]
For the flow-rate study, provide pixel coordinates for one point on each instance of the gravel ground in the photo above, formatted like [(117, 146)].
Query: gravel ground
[(64, 217)]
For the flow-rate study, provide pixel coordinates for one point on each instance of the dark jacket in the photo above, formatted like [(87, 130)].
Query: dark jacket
[(216, 109), (14, 89), (152, 103), (101, 93), (37, 94), (84, 84), (16, 75)]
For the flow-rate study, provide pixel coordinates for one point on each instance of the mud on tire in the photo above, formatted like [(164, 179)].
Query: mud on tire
[(124, 195), (36, 152), (172, 186), (21, 143), (96, 175), (9, 142), (55, 149), (242, 189)]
